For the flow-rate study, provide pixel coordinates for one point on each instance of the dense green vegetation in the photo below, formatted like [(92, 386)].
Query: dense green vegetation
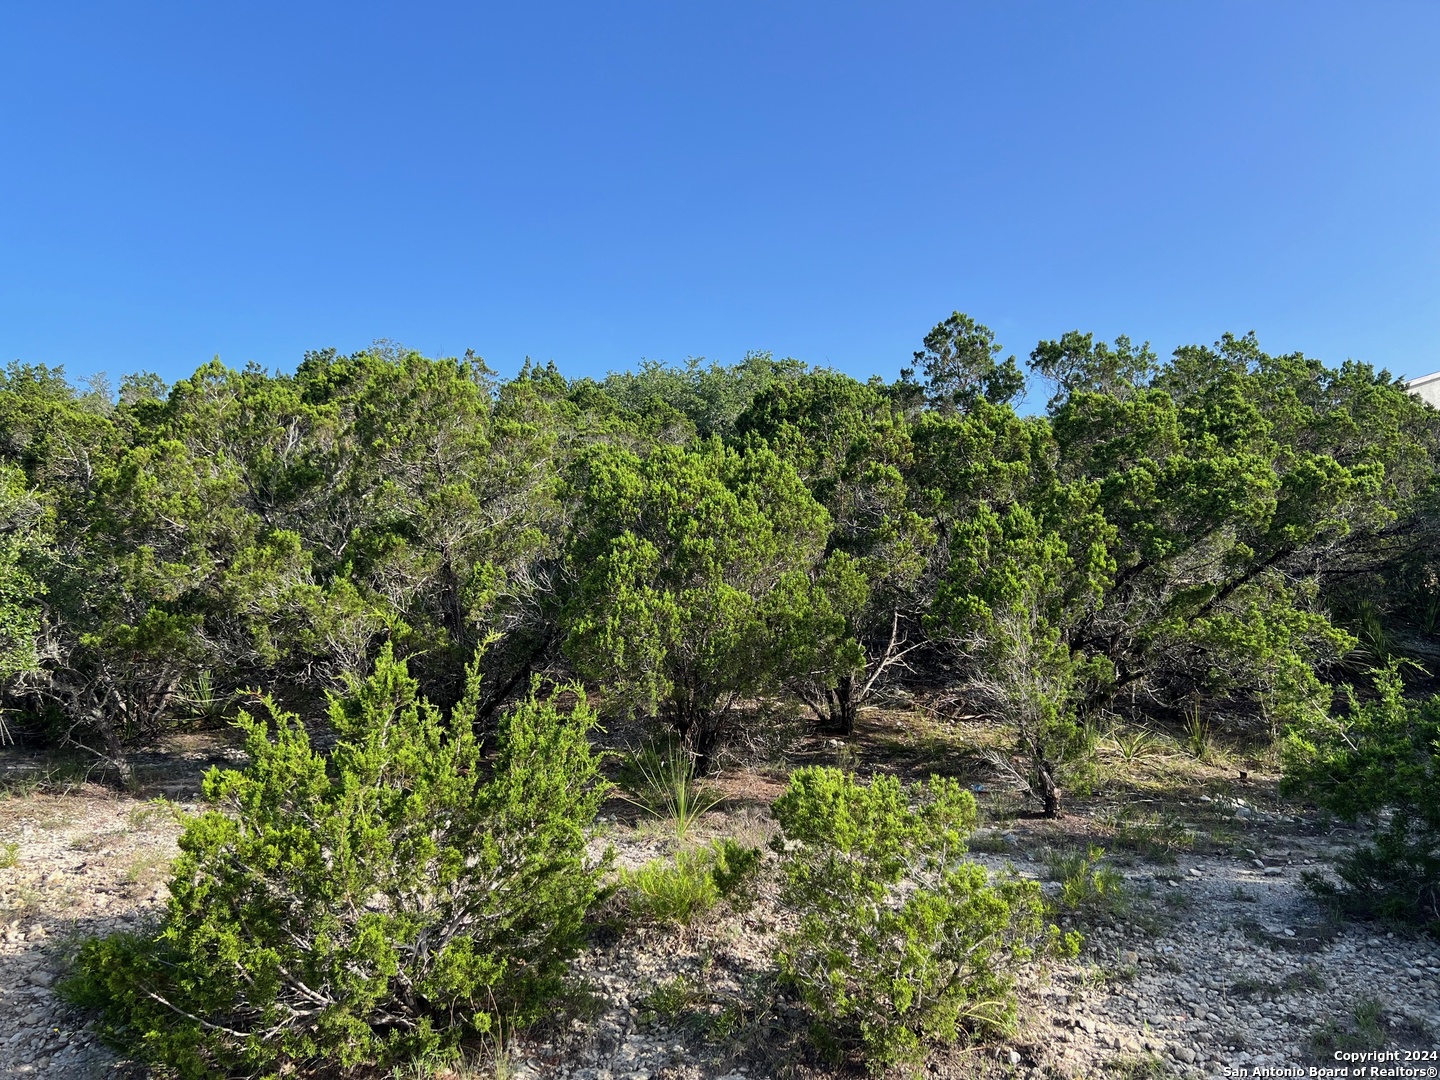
[(899, 940), (452, 577), (375, 906), (1228, 533)]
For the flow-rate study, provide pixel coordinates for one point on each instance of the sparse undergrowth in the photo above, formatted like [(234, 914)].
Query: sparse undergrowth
[(739, 1014)]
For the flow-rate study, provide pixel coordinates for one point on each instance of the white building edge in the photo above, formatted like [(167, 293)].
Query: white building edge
[(1426, 388)]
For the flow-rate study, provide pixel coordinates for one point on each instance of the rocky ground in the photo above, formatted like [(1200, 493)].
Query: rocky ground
[(1218, 959)]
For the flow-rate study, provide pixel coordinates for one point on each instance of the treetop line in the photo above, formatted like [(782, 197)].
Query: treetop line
[(1226, 534)]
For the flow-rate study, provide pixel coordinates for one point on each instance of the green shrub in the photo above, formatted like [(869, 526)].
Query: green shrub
[(1383, 754), (1088, 886), (734, 871), (1395, 878), (680, 889), (374, 907), (673, 890), (900, 941)]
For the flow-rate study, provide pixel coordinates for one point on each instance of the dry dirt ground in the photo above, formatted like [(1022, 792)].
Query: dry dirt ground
[(1217, 959)]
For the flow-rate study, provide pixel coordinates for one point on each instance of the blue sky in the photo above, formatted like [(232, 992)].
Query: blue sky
[(597, 183)]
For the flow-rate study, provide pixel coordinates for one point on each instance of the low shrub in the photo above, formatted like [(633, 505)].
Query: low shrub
[(369, 909), (1394, 878), (900, 940), (679, 890), (1088, 886), (1380, 755), (672, 998), (734, 872)]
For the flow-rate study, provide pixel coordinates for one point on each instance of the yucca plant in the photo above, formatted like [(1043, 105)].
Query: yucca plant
[(1133, 745), (1198, 739), (663, 779), (201, 700)]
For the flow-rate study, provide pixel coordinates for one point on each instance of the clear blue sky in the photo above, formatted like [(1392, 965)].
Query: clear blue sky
[(597, 183)]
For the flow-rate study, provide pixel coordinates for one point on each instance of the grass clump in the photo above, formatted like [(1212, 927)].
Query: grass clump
[(1363, 1030), (147, 868), (1199, 740), (899, 942), (1156, 835), (1087, 885), (680, 889), (1139, 1067), (367, 910), (152, 813), (663, 779), (670, 999), (675, 890), (9, 854)]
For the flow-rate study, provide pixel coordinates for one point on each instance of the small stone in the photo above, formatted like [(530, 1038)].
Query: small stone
[(1014, 1058), (40, 977), (1258, 864)]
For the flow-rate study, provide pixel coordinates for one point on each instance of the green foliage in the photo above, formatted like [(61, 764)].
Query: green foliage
[(25, 542), (1198, 738), (1012, 589), (960, 366), (851, 446), (1140, 1067), (1077, 364), (672, 998), (1239, 484), (1087, 885), (693, 562), (710, 397), (1222, 531), (1134, 746), (734, 871), (1363, 1031), (1396, 878), (899, 941), (1379, 756), (674, 890), (369, 908), (680, 889)]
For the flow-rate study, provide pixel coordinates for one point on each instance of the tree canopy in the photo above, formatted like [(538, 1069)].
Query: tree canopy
[(1225, 531)]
